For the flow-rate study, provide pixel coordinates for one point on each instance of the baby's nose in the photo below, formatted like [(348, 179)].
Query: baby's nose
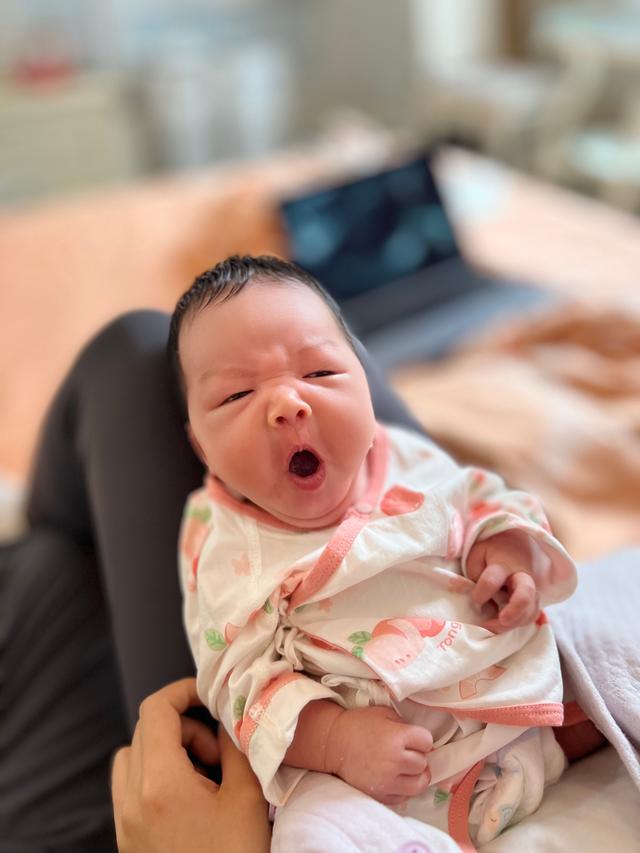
[(287, 408)]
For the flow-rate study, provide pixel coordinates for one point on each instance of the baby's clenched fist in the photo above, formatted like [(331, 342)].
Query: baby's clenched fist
[(374, 750)]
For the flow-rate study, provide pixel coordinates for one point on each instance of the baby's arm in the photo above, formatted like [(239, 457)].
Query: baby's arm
[(371, 748), (509, 550)]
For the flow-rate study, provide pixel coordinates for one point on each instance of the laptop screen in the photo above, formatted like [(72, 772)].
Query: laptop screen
[(363, 234)]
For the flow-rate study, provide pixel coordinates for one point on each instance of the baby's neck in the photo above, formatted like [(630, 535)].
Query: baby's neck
[(235, 494)]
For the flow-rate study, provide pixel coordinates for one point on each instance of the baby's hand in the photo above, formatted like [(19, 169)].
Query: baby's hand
[(502, 568), (376, 752)]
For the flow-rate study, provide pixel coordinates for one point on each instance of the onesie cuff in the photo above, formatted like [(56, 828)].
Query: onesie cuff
[(269, 728)]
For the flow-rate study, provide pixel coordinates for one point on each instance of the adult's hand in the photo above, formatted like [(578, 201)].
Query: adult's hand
[(163, 804)]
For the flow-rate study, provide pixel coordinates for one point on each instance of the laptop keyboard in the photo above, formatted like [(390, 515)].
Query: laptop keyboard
[(433, 333), (420, 291)]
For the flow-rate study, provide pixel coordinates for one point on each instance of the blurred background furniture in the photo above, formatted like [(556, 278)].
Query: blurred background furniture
[(600, 152), (557, 95), (548, 86), (74, 133), (495, 106)]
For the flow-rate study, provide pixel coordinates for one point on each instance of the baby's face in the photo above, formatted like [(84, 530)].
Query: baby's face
[(279, 406)]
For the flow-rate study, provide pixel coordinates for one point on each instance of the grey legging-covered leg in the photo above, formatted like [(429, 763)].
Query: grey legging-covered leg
[(91, 619)]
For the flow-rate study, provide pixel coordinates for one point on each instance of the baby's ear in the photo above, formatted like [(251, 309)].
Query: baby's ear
[(195, 444)]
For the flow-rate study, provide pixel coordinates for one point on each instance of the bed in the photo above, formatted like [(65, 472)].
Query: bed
[(565, 424)]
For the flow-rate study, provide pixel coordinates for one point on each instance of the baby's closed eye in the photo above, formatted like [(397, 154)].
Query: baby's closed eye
[(233, 397), (318, 374)]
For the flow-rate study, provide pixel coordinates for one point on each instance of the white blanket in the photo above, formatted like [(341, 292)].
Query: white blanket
[(598, 634), (593, 807)]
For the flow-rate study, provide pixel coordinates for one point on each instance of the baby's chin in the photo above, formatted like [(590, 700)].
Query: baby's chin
[(323, 508)]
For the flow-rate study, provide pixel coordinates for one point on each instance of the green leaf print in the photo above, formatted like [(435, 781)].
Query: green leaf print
[(358, 651), (359, 637), (267, 606), (215, 640), (440, 796), (492, 527), (202, 513), (301, 608), (238, 707), (535, 517)]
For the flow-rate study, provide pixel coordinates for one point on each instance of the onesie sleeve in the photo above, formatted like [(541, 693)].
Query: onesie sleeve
[(488, 507), (244, 680)]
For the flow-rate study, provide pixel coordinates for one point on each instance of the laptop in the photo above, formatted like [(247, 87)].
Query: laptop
[(384, 247)]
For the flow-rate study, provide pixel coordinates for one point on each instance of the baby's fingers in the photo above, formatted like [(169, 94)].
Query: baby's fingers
[(405, 786), (418, 738), (523, 604), (411, 786), (490, 581), (413, 762), (391, 799)]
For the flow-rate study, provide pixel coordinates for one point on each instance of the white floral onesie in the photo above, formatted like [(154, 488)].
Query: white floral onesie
[(376, 611)]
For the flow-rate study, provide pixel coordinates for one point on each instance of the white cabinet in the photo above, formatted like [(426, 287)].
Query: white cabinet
[(65, 136)]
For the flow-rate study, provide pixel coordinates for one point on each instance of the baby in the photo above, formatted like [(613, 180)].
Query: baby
[(357, 604)]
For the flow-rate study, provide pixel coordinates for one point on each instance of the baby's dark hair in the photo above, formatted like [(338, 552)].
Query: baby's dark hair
[(224, 281)]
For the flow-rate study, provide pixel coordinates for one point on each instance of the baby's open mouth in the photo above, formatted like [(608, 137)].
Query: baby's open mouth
[(304, 463)]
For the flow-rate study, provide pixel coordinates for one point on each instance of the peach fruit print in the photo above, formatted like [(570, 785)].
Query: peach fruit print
[(394, 643)]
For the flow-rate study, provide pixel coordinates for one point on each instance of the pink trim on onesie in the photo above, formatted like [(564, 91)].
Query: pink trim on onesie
[(541, 714), (331, 557), (340, 543), (251, 720), (459, 809)]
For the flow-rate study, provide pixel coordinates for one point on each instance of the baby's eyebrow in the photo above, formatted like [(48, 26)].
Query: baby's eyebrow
[(228, 371), (321, 343)]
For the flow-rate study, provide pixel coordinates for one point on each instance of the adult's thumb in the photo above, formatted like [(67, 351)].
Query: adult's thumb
[(236, 769)]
